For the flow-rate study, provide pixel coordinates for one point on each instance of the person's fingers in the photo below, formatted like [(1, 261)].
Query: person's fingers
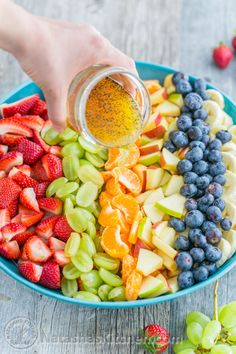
[(116, 58), (56, 105)]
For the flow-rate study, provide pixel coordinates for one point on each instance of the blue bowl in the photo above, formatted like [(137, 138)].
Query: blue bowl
[(146, 71)]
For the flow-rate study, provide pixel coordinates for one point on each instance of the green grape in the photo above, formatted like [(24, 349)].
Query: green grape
[(110, 278), (70, 165), (103, 291), (67, 189), (73, 149), (86, 296), (69, 287), (76, 220), (117, 294), (87, 215), (103, 153), (227, 315), (86, 145), (95, 160), (86, 194), (97, 242), (199, 317), (68, 134), (82, 261), (194, 332), (232, 334), (187, 351), (70, 272), (91, 230), (210, 334), (221, 349), (105, 261), (91, 290), (233, 348), (68, 205), (182, 345), (52, 137), (84, 162), (88, 173), (97, 209), (87, 245), (72, 140), (72, 245), (91, 279), (55, 185)]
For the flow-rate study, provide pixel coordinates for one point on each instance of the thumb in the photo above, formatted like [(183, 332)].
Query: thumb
[(56, 105)]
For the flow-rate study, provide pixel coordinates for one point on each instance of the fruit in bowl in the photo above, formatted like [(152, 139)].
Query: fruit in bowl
[(120, 224)]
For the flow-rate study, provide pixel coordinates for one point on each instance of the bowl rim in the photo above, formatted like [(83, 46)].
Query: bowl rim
[(122, 304)]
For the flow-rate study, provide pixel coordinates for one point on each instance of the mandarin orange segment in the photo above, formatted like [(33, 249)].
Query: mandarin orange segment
[(133, 285), (106, 175), (114, 155), (133, 235), (112, 243), (125, 227), (128, 178), (105, 198), (113, 187), (152, 85), (109, 216), (128, 205), (128, 265), (122, 157)]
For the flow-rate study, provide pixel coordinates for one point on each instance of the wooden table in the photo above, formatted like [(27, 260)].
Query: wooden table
[(178, 33)]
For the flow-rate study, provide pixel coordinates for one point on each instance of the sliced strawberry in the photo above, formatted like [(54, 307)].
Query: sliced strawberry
[(61, 258), (31, 152), (11, 159), (16, 219), (53, 166), (38, 108), (10, 250), (3, 150), (10, 125), (1, 237), (4, 217), (22, 179), (13, 208), (23, 237), (2, 174), (12, 229), (55, 245), (36, 250), (40, 189), (9, 191), (28, 199), (44, 115), (24, 256), (30, 271), (55, 150), (22, 106), (46, 226), (33, 122), (10, 139), (38, 140), (29, 217), (51, 276), (38, 172), (53, 205), (25, 169), (62, 229)]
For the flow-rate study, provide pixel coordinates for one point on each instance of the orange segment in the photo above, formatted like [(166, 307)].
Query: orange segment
[(112, 244), (133, 235), (128, 178), (106, 175), (152, 85), (114, 156), (105, 198), (133, 284), (122, 157), (125, 227), (128, 205), (109, 216), (128, 265), (113, 187)]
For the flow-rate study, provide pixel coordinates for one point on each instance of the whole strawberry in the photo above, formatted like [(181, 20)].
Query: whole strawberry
[(222, 55), (234, 42), (155, 338)]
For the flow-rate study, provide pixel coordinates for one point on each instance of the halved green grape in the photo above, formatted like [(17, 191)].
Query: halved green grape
[(90, 290), (72, 245), (210, 334), (69, 287), (97, 209), (103, 153), (116, 270), (88, 173), (232, 334), (110, 278), (227, 315), (103, 291), (73, 149), (91, 279), (76, 220), (87, 215), (233, 348), (72, 140), (70, 166), (194, 332), (182, 345), (70, 271), (105, 261), (221, 349), (55, 185), (52, 137), (68, 205), (82, 261), (68, 134), (97, 242), (95, 160), (67, 189), (86, 194), (84, 162), (86, 296), (117, 294), (86, 145), (187, 351), (87, 245), (199, 317), (91, 230)]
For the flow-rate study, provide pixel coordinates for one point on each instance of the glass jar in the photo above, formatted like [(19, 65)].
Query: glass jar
[(82, 86)]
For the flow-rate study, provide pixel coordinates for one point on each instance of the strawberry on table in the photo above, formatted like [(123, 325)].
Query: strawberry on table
[(55, 245), (10, 250), (52, 165), (60, 258), (62, 229), (11, 159), (30, 271), (33, 122), (9, 191), (46, 226), (28, 199), (22, 179), (222, 55), (10, 230), (29, 217), (10, 139), (4, 217), (31, 152), (10, 125), (52, 205), (51, 277), (22, 106), (36, 250), (40, 189), (155, 338)]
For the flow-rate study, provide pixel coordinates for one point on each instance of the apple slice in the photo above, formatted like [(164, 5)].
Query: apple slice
[(140, 171), (152, 85), (182, 152), (158, 96), (150, 159), (165, 286), (152, 211), (167, 108), (174, 273), (153, 122), (154, 196), (165, 179), (229, 147), (172, 205), (164, 247), (230, 179), (227, 121), (145, 231), (173, 284), (230, 236), (138, 245), (177, 99), (148, 262), (150, 285), (168, 236), (171, 127), (159, 130), (144, 139), (153, 178), (168, 262), (233, 132), (231, 212), (158, 227), (168, 84), (168, 160), (174, 185), (230, 161), (153, 146), (142, 197), (225, 248)]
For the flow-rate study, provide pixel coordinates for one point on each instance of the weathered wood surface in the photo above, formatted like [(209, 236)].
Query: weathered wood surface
[(178, 33)]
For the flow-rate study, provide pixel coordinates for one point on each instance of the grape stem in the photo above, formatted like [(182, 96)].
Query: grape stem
[(216, 300)]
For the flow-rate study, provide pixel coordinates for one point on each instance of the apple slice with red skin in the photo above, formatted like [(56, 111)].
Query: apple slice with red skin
[(151, 147)]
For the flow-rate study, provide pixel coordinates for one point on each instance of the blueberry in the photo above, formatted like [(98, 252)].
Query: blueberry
[(215, 156), (203, 94), (200, 114), (184, 166), (199, 85), (215, 144), (179, 76), (200, 167), (226, 224), (177, 224), (184, 122), (200, 241), (200, 193), (215, 189), (205, 129), (169, 146), (197, 254), (188, 190), (214, 214), (210, 177), (224, 136), (190, 177), (200, 274), (220, 203), (199, 123), (204, 202), (218, 168), (178, 138), (206, 154), (208, 225), (195, 154), (183, 86), (193, 101), (194, 219), (185, 109), (195, 133), (197, 143), (191, 204), (182, 243), (213, 236), (205, 139), (210, 266), (202, 182), (212, 253), (185, 280), (184, 261), (193, 233), (221, 179)]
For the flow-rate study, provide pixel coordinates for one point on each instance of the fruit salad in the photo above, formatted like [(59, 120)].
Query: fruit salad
[(121, 223)]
